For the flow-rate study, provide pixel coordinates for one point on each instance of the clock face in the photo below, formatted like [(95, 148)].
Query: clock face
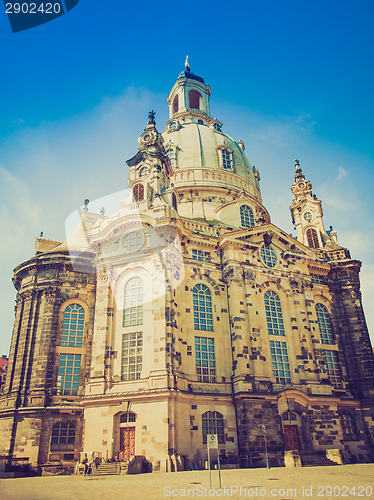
[(301, 185), (143, 172), (308, 216)]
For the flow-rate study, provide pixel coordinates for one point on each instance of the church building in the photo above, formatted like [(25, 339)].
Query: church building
[(188, 313)]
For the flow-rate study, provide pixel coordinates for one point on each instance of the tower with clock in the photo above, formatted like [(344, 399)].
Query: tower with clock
[(307, 214)]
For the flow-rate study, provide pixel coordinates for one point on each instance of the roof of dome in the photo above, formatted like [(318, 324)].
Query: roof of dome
[(188, 74), (198, 145)]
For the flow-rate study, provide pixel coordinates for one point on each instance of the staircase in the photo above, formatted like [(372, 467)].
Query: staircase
[(112, 468), (315, 459)]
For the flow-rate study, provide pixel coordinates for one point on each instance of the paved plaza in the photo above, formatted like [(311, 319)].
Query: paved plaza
[(336, 482)]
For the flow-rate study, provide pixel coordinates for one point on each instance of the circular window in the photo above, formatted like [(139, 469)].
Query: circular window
[(143, 172), (173, 126), (133, 241), (268, 256), (308, 216)]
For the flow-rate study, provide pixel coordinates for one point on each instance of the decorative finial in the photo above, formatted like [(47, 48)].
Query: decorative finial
[(85, 203), (187, 64), (298, 172), (41, 235), (151, 118), (102, 211)]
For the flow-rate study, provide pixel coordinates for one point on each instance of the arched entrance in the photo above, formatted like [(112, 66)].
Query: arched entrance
[(292, 408)]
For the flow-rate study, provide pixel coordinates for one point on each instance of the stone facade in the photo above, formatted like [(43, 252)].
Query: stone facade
[(188, 313)]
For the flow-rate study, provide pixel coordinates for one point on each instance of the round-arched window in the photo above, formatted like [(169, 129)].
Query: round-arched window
[(323, 319), (195, 97), (246, 216), (138, 192), (202, 308), (175, 104), (312, 238), (73, 326)]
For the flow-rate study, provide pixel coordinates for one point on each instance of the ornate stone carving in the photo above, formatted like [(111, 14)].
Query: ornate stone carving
[(50, 294), (104, 273), (260, 217)]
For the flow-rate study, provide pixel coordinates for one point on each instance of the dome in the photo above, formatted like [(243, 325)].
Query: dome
[(199, 146), (198, 150)]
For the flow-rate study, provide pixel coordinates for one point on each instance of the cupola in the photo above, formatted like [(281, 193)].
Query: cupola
[(189, 94)]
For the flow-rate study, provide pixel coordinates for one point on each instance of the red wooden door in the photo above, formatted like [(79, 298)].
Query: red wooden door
[(291, 440), (127, 443)]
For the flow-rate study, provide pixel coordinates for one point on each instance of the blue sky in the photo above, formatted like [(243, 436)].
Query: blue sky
[(292, 79)]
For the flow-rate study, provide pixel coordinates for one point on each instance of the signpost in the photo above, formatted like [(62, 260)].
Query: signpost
[(266, 446), (212, 444)]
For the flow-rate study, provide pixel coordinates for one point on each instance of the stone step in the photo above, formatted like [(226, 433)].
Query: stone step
[(315, 460), (112, 468)]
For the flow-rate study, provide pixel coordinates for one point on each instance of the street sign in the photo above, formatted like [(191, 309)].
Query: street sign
[(212, 440), (212, 444)]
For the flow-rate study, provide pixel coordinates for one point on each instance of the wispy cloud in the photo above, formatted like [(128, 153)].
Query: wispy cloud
[(19, 121), (19, 212), (342, 172)]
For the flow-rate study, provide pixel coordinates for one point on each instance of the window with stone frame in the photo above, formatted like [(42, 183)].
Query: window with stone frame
[(323, 319), (273, 311), (332, 367), (247, 218), (133, 303), (227, 161), (349, 427), (318, 279), (68, 374), (213, 423), (133, 241), (312, 238), (289, 415), (194, 98), (268, 255), (202, 308), (132, 356), (200, 255), (175, 104), (171, 154), (63, 436), (280, 362), (205, 359), (72, 326), (138, 192), (174, 202), (128, 417)]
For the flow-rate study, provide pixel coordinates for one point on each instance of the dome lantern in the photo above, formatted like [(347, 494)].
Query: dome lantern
[(189, 94)]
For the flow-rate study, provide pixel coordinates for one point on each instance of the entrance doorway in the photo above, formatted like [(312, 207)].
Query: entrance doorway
[(291, 439), (127, 443)]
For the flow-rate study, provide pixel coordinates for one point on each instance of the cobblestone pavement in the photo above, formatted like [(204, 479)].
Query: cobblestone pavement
[(336, 482)]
